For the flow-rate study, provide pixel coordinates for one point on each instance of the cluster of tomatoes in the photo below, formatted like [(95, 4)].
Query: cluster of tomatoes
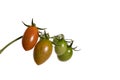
[(43, 48)]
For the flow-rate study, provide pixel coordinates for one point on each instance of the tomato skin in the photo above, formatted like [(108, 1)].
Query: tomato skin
[(60, 46), (30, 38), (42, 51), (67, 55)]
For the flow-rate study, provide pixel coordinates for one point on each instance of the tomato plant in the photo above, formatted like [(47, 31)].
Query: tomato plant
[(43, 47)]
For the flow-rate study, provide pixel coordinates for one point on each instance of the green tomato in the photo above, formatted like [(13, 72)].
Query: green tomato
[(67, 55), (60, 46)]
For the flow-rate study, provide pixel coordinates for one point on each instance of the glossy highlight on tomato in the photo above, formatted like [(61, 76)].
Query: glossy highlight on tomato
[(30, 38), (42, 51)]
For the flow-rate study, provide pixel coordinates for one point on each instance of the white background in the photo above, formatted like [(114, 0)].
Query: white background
[(94, 25)]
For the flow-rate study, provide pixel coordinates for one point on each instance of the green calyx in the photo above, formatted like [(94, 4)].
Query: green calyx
[(32, 23), (44, 35)]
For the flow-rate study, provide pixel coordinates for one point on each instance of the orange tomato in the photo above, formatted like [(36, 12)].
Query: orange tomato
[(30, 38)]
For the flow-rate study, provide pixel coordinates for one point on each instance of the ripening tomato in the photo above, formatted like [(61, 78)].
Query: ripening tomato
[(67, 55), (42, 51), (30, 38)]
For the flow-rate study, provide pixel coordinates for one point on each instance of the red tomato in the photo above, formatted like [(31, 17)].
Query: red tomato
[(30, 38)]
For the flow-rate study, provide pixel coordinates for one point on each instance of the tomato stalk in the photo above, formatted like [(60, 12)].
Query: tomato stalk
[(10, 44)]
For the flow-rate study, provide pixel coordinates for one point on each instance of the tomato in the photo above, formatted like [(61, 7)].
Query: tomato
[(30, 38), (42, 51), (67, 55), (60, 46)]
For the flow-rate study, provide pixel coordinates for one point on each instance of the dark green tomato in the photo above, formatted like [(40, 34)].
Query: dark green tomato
[(60, 46), (67, 55), (42, 51)]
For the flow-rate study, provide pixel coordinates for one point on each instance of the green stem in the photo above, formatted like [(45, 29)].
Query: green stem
[(71, 43), (32, 23), (41, 28), (76, 49), (10, 44), (25, 24)]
